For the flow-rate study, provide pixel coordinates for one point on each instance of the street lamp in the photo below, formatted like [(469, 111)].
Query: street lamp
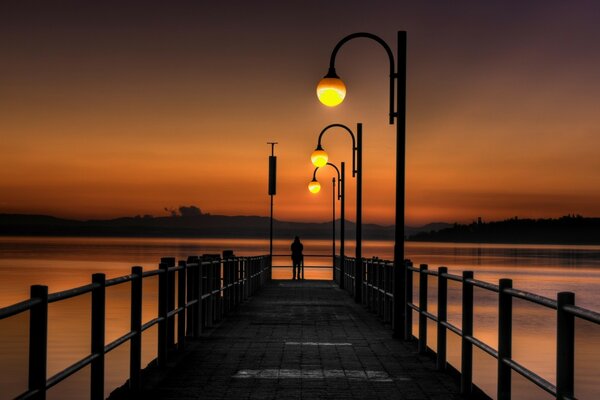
[(331, 92), (341, 194), (317, 157)]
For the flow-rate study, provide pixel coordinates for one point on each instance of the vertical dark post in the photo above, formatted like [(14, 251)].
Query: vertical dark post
[(358, 270), (422, 309), (342, 184), (504, 339), (38, 340), (98, 332), (565, 347), (170, 261), (442, 317), (399, 266), (181, 278), (163, 289), (466, 377), (272, 193), (135, 352), (199, 282), (408, 293), (192, 294), (333, 228)]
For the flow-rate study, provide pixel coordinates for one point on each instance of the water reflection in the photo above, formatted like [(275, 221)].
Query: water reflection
[(63, 263)]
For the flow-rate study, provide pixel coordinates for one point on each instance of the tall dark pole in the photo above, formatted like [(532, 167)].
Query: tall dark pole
[(357, 173), (332, 81), (358, 279), (399, 265), (272, 192), (333, 195), (342, 224)]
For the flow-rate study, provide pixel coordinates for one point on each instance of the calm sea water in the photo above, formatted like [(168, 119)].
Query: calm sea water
[(63, 263)]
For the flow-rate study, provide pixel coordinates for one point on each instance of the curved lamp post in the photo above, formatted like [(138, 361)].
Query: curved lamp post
[(314, 187), (319, 158), (331, 92)]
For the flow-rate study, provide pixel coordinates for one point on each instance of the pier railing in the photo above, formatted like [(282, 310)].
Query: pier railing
[(377, 296), (199, 292)]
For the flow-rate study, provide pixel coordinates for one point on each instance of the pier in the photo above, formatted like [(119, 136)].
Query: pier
[(227, 330)]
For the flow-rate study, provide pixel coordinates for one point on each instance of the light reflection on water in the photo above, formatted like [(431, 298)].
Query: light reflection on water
[(63, 263)]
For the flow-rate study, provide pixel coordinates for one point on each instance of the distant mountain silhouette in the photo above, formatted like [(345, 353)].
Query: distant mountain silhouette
[(570, 229), (194, 224)]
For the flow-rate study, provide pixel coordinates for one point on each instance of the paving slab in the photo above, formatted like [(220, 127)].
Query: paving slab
[(303, 340)]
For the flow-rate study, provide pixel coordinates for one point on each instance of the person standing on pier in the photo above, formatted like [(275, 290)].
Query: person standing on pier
[(297, 258)]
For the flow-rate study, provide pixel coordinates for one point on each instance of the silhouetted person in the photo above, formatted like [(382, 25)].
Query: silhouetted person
[(297, 258)]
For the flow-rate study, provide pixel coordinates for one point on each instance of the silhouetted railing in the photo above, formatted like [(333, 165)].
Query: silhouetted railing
[(377, 296), (207, 288), (326, 264)]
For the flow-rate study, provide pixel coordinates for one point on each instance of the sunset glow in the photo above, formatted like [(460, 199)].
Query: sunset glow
[(107, 113)]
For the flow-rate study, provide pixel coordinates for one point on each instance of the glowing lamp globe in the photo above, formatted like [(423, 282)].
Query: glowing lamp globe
[(314, 187), (319, 157), (331, 91)]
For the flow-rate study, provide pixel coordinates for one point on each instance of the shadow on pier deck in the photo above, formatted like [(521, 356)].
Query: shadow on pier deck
[(302, 340)]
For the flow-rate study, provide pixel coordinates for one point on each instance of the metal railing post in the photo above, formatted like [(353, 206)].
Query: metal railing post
[(422, 308), (135, 351), (466, 376), (181, 316), (38, 341), (442, 317), (191, 287), (408, 299), (98, 335), (200, 314), (565, 347), (163, 289), (504, 339), (170, 261)]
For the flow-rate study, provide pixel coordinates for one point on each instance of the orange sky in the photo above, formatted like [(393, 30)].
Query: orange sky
[(122, 110)]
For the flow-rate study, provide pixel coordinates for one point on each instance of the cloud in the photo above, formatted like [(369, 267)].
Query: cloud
[(191, 211)]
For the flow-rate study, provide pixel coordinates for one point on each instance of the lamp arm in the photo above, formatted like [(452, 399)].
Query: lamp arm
[(339, 176), (387, 49), (354, 147)]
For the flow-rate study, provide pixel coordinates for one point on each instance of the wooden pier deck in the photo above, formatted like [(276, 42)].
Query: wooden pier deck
[(302, 340)]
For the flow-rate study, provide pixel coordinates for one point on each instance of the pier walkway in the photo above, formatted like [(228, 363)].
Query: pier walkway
[(302, 340)]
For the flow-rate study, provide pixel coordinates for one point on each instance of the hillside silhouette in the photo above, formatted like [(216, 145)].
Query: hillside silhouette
[(180, 225), (570, 229)]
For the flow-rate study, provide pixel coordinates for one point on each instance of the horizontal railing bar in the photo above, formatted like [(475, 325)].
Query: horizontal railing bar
[(483, 285), (65, 373), (452, 328), (151, 323), (531, 376), (175, 312), (117, 342), (120, 279), (191, 303), (582, 313), (453, 277), (414, 307), (432, 272), (151, 273), (67, 294), (305, 267), (307, 255), (483, 346), (15, 309), (534, 298), (28, 394), (429, 315)]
